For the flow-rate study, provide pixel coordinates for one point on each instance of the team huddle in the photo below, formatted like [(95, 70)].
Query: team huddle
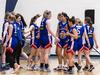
[(72, 36)]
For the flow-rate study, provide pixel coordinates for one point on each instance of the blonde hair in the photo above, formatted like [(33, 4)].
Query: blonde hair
[(46, 14), (12, 17), (79, 21), (7, 14)]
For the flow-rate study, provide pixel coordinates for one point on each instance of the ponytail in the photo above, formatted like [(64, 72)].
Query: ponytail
[(90, 24), (34, 19)]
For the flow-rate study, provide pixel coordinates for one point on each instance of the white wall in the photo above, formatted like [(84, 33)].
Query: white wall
[(28, 8), (2, 11)]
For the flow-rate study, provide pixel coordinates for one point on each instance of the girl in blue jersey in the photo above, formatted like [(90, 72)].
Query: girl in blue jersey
[(61, 30), (34, 42), (73, 35), (4, 35), (13, 44), (23, 25), (81, 33), (45, 40), (92, 39)]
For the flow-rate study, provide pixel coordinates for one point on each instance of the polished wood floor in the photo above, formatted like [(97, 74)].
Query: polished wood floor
[(53, 64)]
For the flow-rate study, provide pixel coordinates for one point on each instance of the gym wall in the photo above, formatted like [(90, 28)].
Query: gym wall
[(29, 8)]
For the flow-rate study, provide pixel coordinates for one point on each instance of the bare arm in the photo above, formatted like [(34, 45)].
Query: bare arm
[(57, 31), (95, 40), (49, 30), (86, 36), (29, 29), (5, 30), (10, 30), (74, 35), (27, 34)]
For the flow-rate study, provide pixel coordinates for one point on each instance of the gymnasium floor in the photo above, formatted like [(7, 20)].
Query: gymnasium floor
[(53, 64)]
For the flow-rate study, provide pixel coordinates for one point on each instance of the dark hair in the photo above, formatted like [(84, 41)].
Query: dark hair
[(34, 18), (72, 20), (22, 19), (65, 15), (90, 24), (73, 17), (7, 14), (88, 19), (80, 23), (59, 14)]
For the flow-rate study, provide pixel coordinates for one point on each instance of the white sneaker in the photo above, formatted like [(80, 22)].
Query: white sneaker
[(10, 71), (29, 68), (64, 68), (47, 70), (58, 68), (36, 68)]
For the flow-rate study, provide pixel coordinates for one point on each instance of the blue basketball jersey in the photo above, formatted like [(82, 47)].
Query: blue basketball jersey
[(45, 39), (35, 37), (90, 32), (17, 31), (16, 37), (80, 31), (72, 44), (62, 29), (22, 27), (43, 29)]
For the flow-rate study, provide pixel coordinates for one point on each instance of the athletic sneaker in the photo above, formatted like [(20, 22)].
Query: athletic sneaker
[(91, 68), (35, 67), (27, 67), (5, 66), (64, 68), (10, 71), (42, 66), (69, 71), (41, 69), (78, 67), (85, 68), (58, 68), (47, 70), (24, 67)]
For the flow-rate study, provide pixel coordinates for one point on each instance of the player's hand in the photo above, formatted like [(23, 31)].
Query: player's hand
[(96, 46), (37, 37), (55, 42), (67, 33), (89, 45)]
